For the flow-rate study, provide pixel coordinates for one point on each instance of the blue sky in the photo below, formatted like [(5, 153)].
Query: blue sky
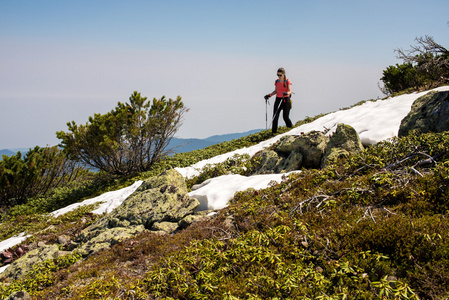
[(66, 60)]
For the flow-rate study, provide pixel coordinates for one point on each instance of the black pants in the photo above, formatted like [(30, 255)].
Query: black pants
[(285, 105)]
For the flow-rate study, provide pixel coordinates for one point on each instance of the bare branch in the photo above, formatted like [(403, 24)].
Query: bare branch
[(309, 201)]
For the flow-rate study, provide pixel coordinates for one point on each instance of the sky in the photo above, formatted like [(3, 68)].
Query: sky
[(373, 121), (63, 61)]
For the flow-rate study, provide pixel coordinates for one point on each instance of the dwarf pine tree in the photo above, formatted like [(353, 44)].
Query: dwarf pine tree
[(425, 66), (128, 139), (37, 172)]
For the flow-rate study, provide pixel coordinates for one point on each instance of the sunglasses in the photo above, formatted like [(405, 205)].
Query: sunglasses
[(280, 75)]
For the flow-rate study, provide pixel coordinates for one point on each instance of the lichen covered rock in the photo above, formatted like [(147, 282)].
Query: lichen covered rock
[(429, 113), (25, 263), (159, 199), (344, 142), (108, 237), (312, 145), (168, 227), (269, 161), (310, 150)]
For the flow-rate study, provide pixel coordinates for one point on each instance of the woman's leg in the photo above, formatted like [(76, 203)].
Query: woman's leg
[(287, 106)]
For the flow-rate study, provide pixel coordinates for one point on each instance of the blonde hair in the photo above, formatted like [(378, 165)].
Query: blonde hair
[(282, 70)]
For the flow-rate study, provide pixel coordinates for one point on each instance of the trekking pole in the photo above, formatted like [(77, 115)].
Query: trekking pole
[(277, 111), (266, 115), (279, 107), (266, 97)]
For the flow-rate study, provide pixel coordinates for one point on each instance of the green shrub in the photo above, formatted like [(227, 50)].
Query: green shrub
[(425, 66), (129, 139), (402, 78), (41, 276), (36, 173)]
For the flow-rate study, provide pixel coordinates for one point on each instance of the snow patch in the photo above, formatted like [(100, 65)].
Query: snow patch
[(109, 201), (215, 193)]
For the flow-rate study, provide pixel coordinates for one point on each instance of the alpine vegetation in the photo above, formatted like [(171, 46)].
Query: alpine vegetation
[(129, 139), (349, 205)]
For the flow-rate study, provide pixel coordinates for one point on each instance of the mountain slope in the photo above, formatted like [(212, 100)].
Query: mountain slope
[(230, 136), (181, 145), (372, 227)]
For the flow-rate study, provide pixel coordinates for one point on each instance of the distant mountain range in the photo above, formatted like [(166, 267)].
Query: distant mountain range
[(187, 145), (180, 145), (9, 152)]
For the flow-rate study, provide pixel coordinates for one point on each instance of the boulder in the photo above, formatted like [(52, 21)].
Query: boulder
[(288, 148), (287, 144), (344, 142), (429, 113), (292, 162), (25, 263), (269, 161), (108, 237), (311, 150), (159, 199), (168, 227), (191, 219), (312, 146)]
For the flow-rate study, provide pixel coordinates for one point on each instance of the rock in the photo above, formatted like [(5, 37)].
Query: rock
[(191, 219), (287, 144), (312, 146), (279, 162), (300, 150), (229, 223), (25, 263), (72, 246), (333, 155), (344, 142), (310, 150), (269, 160), (168, 227), (292, 162), (63, 239), (108, 237), (159, 199), (22, 295), (429, 113), (293, 152)]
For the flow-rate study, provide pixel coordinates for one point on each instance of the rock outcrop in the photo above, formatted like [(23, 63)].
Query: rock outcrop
[(311, 145), (344, 142), (25, 263), (159, 204), (310, 150), (429, 113)]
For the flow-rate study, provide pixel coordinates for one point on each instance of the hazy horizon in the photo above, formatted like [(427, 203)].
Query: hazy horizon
[(63, 61)]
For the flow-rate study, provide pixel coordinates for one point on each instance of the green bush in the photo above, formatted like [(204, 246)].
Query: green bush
[(36, 173), (425, 66), (129, 139), (403, 77)]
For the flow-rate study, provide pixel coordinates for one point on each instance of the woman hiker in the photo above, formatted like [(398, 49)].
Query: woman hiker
[(283, 92)]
